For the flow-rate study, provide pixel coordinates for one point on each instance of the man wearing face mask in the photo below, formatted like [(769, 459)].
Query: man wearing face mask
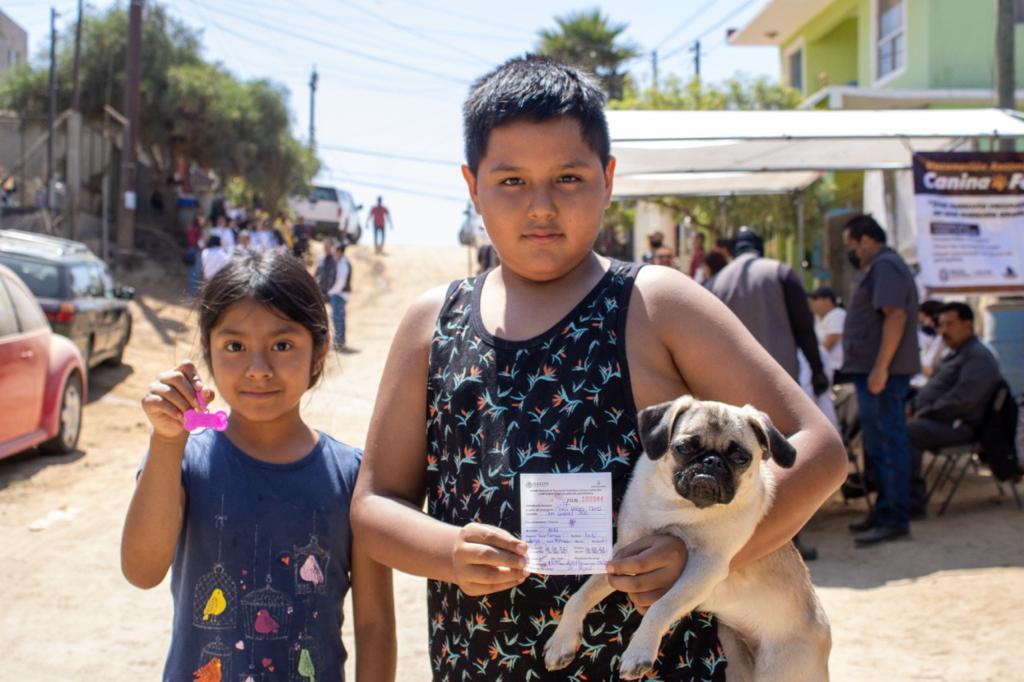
[(880, 354)]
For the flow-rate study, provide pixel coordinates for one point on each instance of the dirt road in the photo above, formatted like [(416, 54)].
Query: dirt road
[(947, 605)]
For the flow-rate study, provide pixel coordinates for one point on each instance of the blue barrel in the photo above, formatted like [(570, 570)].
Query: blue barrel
[(1004, 329)]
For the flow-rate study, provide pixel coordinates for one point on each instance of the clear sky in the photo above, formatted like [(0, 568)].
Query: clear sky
[(393, 74)]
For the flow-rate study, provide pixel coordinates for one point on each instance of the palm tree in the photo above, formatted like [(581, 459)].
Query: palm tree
[(588, 40)]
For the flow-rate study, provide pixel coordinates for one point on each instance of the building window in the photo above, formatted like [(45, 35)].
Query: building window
[(1018, 11), (891, 37), (796, 70)]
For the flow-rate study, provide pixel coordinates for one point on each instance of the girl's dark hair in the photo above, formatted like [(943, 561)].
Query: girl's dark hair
[(539, 89), (276, 280)]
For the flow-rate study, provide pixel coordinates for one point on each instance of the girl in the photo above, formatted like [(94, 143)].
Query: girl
[(539, 366), (253, 521)]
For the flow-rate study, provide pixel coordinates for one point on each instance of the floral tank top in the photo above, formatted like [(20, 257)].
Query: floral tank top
[(560, 402)]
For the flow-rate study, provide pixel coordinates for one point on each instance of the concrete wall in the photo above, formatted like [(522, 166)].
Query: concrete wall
[(13, 43)]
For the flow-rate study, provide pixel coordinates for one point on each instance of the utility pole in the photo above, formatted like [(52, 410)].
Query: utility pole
[(1005, 78), (52, 112), (73, 150), (312, 108), (696, 59), (133, 68), (76, 91), (654, 69)]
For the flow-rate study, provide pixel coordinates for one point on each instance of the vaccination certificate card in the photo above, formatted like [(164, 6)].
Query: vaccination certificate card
[(566, 522)]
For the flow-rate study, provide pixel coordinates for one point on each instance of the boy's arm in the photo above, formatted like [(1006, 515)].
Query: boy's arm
[(373, 610), (387, 508), (154, 519), (714, 357)]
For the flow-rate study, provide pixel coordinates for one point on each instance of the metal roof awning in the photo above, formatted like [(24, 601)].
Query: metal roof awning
[(710, 184), (660, 142)]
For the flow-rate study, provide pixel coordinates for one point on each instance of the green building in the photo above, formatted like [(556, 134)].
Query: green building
[(881, 54)]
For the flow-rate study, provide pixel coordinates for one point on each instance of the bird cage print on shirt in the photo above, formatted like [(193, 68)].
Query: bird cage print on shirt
[(215, 600), (267, 613), (310, 567)]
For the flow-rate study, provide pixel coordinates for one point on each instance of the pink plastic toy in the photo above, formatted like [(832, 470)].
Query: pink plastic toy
[(205, 419)]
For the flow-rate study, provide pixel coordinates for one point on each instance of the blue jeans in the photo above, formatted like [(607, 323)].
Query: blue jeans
[(338, 319), (883, 424), (195, 274)]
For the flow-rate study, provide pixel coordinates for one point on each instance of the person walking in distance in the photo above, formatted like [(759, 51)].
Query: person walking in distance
[(339, 294), (880, 354), (381, 218)]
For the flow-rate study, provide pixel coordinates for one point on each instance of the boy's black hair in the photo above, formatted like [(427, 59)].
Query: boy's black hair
[(724, 243), (276, 280), (865, 225), (962, 310), (537, 88)]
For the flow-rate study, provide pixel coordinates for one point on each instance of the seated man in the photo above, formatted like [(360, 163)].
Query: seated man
[(948, 409)]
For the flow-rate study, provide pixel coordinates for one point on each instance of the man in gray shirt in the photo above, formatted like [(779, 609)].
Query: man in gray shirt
[(880, 355), (949, 408), (771, 302)]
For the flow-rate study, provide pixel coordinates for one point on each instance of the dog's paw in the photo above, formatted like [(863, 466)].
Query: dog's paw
[(561, 648), (635, 665)]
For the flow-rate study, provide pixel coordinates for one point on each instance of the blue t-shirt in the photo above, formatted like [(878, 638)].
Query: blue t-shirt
[(262, 565)]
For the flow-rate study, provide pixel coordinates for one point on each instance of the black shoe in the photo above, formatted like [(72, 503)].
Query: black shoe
[(855, 487), (918, 513), (867, 523), (881, 534)]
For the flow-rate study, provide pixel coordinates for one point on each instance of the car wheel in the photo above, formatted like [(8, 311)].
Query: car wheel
[(70, 419)]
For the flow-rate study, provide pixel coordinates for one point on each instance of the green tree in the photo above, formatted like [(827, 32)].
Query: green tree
[(590, 41), (190, 109)]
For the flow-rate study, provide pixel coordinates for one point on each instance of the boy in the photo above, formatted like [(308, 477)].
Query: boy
[(539, 366)]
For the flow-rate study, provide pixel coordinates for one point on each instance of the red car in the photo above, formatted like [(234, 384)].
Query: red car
[(41, 386)]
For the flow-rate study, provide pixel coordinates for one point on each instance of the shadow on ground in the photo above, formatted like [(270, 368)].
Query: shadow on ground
[(981, 529), (102, 380), (25, 465)]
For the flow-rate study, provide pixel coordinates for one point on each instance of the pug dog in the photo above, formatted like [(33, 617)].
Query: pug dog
[(700, 479)]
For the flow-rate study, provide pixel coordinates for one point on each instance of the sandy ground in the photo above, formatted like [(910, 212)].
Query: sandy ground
[(947, 605)]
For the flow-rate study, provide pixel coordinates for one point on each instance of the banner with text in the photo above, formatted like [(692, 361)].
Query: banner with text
[(969, 208)]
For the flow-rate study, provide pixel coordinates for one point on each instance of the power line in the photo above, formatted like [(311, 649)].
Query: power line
[(711, 29), (388, 155), (363, 84), (331, 46), (344, 25), (684, 23), (465, 17), (415, 32), (396, 188)]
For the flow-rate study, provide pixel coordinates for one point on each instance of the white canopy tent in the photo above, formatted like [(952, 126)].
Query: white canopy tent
[(645, 142), (710, 184), (722, 153)]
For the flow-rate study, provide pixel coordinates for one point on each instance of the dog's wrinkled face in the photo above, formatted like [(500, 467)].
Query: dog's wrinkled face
[(713, 449)]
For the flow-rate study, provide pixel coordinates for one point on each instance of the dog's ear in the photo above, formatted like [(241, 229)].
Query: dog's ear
[(771, 440), (656, 425)]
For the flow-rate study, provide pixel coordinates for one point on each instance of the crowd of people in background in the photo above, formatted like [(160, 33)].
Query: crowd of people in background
[(211, 243), (901, 377)]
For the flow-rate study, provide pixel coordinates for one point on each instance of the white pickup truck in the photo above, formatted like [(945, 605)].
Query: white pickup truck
[(331, 212)]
